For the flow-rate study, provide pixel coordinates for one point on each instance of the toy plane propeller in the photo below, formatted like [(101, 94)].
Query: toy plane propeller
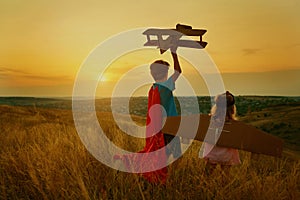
[(167, 38)]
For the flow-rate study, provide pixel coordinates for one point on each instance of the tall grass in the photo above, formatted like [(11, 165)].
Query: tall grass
[(42, 157)]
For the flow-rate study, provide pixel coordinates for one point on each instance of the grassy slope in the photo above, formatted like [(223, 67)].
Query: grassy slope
[(279, 120), (41, 156)]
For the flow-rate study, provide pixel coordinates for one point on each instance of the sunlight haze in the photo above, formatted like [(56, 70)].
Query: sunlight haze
[(255, 44)]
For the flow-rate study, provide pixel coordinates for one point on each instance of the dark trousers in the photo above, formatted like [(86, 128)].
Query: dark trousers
[(174, 147)]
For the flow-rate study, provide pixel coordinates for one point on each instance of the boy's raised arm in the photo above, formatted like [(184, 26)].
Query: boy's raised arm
[(177, 68)]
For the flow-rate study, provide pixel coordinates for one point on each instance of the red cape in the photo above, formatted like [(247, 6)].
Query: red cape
[(154, 141)]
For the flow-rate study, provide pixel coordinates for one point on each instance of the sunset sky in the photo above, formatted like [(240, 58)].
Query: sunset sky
[(255, 44)]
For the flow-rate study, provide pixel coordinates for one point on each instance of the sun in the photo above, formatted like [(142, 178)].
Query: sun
[(103, 78)]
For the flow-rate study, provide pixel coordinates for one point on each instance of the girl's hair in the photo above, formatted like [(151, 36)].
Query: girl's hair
[(225, 99), (159, 69)]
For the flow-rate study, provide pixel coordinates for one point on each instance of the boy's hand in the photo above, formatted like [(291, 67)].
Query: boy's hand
[(174, 43), (173, 48)]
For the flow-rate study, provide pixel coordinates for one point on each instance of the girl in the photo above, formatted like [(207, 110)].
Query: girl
[(213, 154)]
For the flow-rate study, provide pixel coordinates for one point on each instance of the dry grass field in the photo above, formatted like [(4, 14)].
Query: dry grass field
[(280, 120), (42, 157)]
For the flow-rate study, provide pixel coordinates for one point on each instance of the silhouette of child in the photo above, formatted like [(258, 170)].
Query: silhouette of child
[(166, 86), (161, 93), (214, 155)]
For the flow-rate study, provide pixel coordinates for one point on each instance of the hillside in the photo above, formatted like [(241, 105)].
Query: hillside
[(274, 115), (279, 120)]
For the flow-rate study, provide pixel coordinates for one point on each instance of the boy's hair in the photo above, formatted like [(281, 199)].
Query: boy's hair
[(159, 69)]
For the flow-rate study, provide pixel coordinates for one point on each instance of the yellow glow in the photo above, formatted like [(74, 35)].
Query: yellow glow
[(103, 78), (44, 43)]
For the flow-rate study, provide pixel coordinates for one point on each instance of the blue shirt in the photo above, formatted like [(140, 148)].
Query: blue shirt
[(166, 96)]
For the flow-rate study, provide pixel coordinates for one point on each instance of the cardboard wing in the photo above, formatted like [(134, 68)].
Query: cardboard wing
[(235, 134)]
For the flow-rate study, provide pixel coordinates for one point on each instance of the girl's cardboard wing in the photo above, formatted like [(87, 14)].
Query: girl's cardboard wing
[(234, 135)]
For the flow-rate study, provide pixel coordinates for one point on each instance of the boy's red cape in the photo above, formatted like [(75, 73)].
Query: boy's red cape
[(154, 141)]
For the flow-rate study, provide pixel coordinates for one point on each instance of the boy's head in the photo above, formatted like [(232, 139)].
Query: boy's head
[(159, 70)]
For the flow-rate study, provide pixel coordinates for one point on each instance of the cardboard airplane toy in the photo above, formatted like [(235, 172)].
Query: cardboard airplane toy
[(173, 37), (235, 134)]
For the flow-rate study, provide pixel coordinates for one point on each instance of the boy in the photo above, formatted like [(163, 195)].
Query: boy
[(166, 86), (160, 93)]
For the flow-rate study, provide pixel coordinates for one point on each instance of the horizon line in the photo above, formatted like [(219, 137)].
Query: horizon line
[(103, 97)]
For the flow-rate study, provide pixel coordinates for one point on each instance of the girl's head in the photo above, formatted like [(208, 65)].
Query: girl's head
[(159, 70), (224, 100)]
